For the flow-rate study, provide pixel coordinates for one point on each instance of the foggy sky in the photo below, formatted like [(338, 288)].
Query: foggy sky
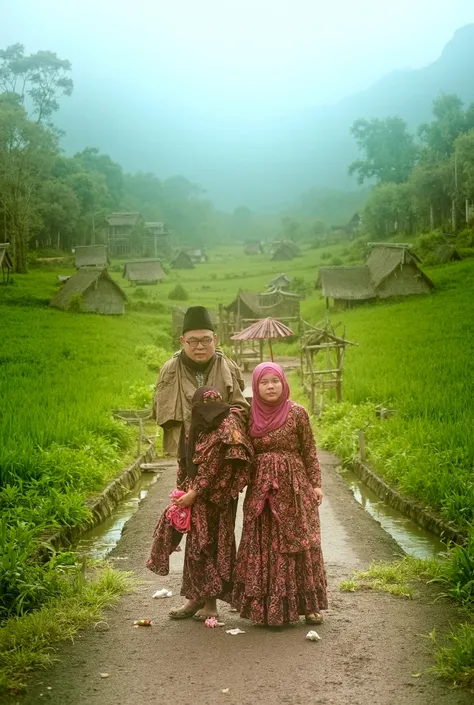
[(232, 65)]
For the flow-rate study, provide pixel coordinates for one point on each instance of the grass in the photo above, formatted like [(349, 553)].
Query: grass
[(29, 643), (453, 652), (61, 374)]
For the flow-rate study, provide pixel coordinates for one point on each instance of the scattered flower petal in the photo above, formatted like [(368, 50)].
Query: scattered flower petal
[(313, 636)]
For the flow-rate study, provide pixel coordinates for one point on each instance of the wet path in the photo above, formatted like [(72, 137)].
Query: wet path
[(370, 643)]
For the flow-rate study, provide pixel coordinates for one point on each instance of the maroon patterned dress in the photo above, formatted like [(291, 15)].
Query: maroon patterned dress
[(280, 570), (222, 457)]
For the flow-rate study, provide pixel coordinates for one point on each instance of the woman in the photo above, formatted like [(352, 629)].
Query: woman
[(212, 470), (280, 571)]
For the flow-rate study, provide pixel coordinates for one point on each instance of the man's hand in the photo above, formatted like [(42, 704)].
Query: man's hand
[(187, 500)]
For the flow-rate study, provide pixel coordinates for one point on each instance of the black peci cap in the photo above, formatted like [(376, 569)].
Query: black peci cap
[(197, 318)]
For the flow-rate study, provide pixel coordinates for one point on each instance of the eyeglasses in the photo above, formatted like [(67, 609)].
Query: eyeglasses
[(194, 342)]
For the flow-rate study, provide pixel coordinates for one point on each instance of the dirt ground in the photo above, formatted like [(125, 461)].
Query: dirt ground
[(370, 646)]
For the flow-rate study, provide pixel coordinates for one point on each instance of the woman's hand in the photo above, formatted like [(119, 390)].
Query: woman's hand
[(187, 500), (318, 493)]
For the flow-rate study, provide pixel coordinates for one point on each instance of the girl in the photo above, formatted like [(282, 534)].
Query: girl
[(212, 470), (280, 571)]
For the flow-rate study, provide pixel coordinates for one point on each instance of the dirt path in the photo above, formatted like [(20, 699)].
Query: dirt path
[(370, 643)]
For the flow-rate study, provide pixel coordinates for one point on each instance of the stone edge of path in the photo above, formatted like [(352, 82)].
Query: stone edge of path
[(425, 518), (102, 505)]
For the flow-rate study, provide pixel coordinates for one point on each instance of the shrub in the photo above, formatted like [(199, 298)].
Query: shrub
[(325, 255), (140, 293), (179, 293), (154, 357), (75, 304), (162, 339), (336, 262)]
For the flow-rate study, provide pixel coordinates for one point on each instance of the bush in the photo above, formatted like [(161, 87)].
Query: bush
[(141, 395), (179, 293), (162, 339), (154, 357), (75, 304), (325, 255), (140, 293), (336, 262)]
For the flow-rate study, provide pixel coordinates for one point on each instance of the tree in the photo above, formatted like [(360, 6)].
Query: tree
[(291, 227), (60, 210), (464, 150), (39, 79), (92, 161), (27, 152), (434, 189), (390, 151), (450, 121), (390, 208)]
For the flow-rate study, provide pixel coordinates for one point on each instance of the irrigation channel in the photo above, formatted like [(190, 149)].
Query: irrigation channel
[(411, 537)]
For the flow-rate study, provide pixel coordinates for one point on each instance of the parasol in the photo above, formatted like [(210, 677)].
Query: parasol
[(267, 329)]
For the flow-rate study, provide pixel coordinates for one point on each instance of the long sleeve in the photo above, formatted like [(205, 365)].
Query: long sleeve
[(308, 447)]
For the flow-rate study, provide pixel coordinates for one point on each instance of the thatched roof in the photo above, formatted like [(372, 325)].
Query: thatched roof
[(253, 247), (158, 228), (362, 282), (143, 270), (384, 258), (91, 256), (79, 283), (280, 280), (5, 259), (197, 256), (249, 304), (122, 219), (346, 283), (284, 251), (182, 261)]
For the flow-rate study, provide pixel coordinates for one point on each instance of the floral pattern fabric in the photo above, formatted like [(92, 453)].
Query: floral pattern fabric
[(280, 570), (222, 457)]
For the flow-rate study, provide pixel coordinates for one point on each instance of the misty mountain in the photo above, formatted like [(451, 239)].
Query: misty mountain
[(264, 164)]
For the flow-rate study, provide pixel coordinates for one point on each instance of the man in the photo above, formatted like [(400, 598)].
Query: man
[(197, 364)]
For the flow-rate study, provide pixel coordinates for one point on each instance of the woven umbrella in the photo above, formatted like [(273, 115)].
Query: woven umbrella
[(267, 329)]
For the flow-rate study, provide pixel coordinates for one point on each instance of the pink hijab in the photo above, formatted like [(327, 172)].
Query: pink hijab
[(267, 417)]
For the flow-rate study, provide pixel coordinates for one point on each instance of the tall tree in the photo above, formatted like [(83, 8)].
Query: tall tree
[(93, 161), (390, 151), (38, 79), (27, 152), (450, 120)]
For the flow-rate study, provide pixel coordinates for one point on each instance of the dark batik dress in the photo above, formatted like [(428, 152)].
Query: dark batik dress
[(280, 571), (222, 457)]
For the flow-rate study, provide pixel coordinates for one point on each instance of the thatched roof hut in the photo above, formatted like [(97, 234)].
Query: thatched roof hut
[(92, 256), (197, 256), (285, 250), (182, 261), (390, 270), (253, 247), (251, 305), (91, 291), (346, 283), (6, 264), (281, 281), (123, 222), (143, 271)]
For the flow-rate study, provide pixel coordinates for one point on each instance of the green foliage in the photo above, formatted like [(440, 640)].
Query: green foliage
[(154, 357), (179, 293), (141, 395), (336, 262), (29, 643), (75, 304), (390, 151), (454, 655)]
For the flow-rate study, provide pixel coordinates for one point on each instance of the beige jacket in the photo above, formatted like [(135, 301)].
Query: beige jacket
[(175, 389)]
